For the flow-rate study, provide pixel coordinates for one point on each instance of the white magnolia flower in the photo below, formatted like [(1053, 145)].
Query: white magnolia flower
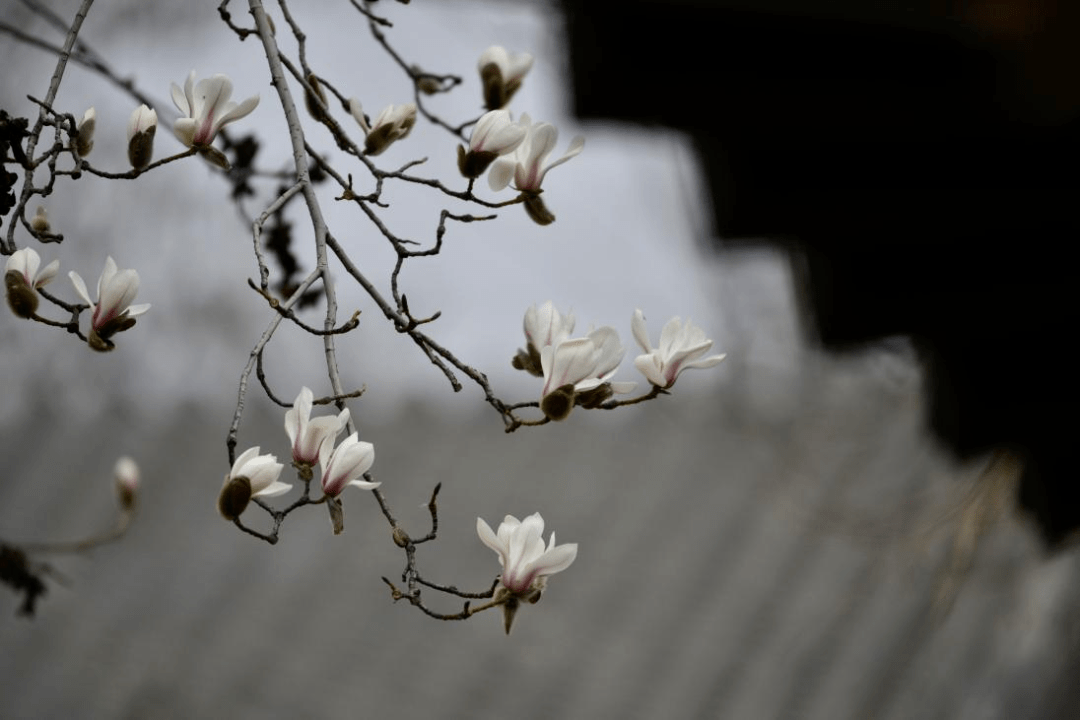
[(393, 123), (525, 560), (680, 347), (140, 132), (84, 140), (544, 326), (526, 165), (205, 109), (22, 278), (501, 74), (113, 312), (494, 134), (308, 436), (579, 371), (126, 478), (345, 464), (252, 475), (25, 262)]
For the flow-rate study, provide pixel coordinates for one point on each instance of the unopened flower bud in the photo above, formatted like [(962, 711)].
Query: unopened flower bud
[(473, 164), (501, 75), (126, 474), (428, 84), (252, 475), (528, 360), (141, 129), (84, 140), (315, 99), (40, 222), (558, 403), (21, 298)]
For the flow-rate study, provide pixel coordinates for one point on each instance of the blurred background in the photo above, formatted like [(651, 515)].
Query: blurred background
[(782, 537)]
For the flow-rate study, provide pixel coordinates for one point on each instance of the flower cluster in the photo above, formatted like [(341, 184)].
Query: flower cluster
[(526, 562), (312, 441), (113, 311), (579, 371)]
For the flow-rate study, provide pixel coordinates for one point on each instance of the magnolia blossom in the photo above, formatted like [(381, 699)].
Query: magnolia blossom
[(205, 109), (113, 312), (680, 347), (544, 326), (252, 475), (308, 436), (343, 465), (525, 560), (393, 123), (494, 134), (579, 371), (84, 139), (526, 167), (140, 133), (501, 74), (22, 278), (126, 478)]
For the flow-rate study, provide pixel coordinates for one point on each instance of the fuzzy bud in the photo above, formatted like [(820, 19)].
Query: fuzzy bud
[(40, 222), (473, 164), (234, 498), (215, 157), (315, 99), (21, 298), (538, 211), (558, 403)]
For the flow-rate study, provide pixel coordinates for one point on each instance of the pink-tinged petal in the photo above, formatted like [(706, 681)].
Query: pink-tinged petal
[(80, 287), (555, 560), (47, 274), (273, 489), (621, 388), (106, 277), (706, 362), (137, 310), (116, 295), (669, 337), (364, 484), (358, 114), (180, 100), (641, 332), (184, 128), (576, 146), (651, 367), (569, 363), (236, 113), (488, 537), (501, 173), (245, 456)]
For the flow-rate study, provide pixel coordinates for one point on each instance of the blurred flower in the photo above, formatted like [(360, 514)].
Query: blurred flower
[(22, 280), (140, 133), (343, 465), (501, 75), (84, 139), (543, 327), (525, 166), (205, 109), (680, 346), (126, 474), (526, 562), (113, 311), (393, 123), (252, 475), (579, 371), (493, 135), (308, 436)]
